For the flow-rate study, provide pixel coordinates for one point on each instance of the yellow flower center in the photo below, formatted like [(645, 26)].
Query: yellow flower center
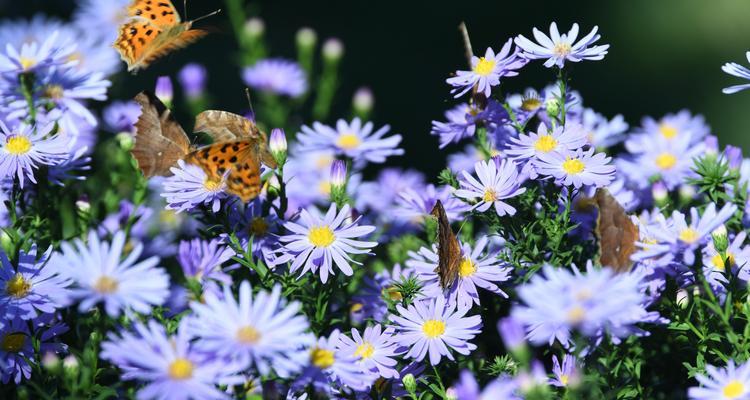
[(323, 162), (248, 335), (321, 358), (489, 195), (258, 227), (54, 91), (27, 63), (106, 285), (433, 328), (321, 236), (573, 166), (348, 141), (666, 161), (466, 268), (17, 286), (564, 379), (668, 131), (324, 187), (13, 342), (576, 314), (364, 350), (733, 389), (719, 263), (18, 145), (545, 143), (562, 49), (394, 294), (181, 369), (484, 67), (689, 235), (211, 185), (531, 103), (356, 307)]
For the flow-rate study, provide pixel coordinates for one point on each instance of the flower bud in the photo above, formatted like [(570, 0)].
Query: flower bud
[(553, 107), (192, 77), (733, 156), (50, 361), (410, 384), (363, 101), (333, 49), (125, 140), (338, 175), (278, 145), (450, 394), (719, 236), (660, 193), (682, 299), (164, 90), (306, 38), (70, 365), (687, 193), (255, 27), (83, 204), (712, 145)]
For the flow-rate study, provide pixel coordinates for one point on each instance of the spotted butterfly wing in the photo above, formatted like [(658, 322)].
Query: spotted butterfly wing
[(449, 252), (616, 232), (235, 162), (159, 12), (225, 126), (159, 140)]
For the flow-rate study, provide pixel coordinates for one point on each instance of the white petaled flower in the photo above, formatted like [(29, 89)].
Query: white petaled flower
[(738, 71), (24, 148), (579, 168), (557, 48), (190, 187), (730, 383), (486, 71), (354, 140), (374, 349), (496, 183), (99, 275)]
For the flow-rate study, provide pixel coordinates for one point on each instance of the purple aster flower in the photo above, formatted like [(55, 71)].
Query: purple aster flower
[(190, 187), (380, 196), (171, 366), (512, 333), (17, 344), (478, 268), (579, 168), (202, 260), (735, 257), (338, 175), (317, 242), (465, 159), (566, 375), (101, 276), (33, 287), (32, 56), (486, 71), (558, 300), (374, 349), (262, 330), (497, 182), (739, 71), (731, 382), (558, 48), (353, 140), (414, 204), (101, 19), (468, 388), (670, 128), (24, 148), (121, 116), (603, 132), (277, 76), (192, 77), (529, 147), (671, 161), (434, 327), (255, 230), (370, 302), (332, 368), (460, 124)]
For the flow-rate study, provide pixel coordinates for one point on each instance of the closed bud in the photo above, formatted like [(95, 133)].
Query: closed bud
[(50, 361), (164, 90), (660, 193), (553, 107), (306, 38), (363, 100), (83, 204), (719, 236), (333, 49), (70, 365), (687, 193), (125, 140), (410, 383), (278, 145), (255, 27), (450, 394), (683, 298), (338, 175)]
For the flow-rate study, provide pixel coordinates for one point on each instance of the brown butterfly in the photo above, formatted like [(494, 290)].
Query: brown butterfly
[(615, 232), (153, 29), (235, 157), (449, 252)]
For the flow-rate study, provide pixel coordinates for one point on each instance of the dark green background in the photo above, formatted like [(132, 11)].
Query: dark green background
[(665, 55)]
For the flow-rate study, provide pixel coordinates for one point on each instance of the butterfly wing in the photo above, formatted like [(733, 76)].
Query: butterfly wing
[(159, 12), (238, 161), (616, 232), (224, 126), (449, 252), (159, 140), (134, 39)]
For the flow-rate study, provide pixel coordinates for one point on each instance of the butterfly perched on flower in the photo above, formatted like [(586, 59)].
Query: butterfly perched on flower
[(153, 28), (234, 157), (449, 251)]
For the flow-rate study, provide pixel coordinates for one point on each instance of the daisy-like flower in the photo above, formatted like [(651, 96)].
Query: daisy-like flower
[(353, 140), (603, 132), (277, 76), (33, 287), (557, 301), (32, 55), (497, 182), (730, 383), (671, 128), (486, 71), (332, 368), (371, 302), (468, 388), (190, 187), (192, 78), (101, 276), (557, 48), (380, 196), (669, 160), (17, 344), (435, 327), (478, 268), (374, 349), (560, 139), (566, 374), (171, 366), (259, 330), (579, 168), (24, 148), (202, 260), (414, 204), (739, 71), (317, 242), (121, 116), (735, 258), (460, 124)]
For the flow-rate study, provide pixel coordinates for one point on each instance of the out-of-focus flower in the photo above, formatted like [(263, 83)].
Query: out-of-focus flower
[(566, 375), (414, 204), (277, 76), (731, 382), (380, 196), (512, 333), (671, 128), (363, 100), (306, 37), (579, 168), (557, 48), (353, 140), (497, 182), (31, 288), (100, 275), (202, 260), (333, 49), (331, 367), (739, 71), (121, 116), (603, 132), (434, 327), (17, 344), (192, 78), (260, 331), (374, 349), (171, 366), (190, 187), (468, 388), (317, 242), (670, 160), (24, 148), (486, 71), (164, 89)]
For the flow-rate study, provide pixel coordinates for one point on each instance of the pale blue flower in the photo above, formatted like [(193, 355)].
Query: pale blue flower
[(557, 48)]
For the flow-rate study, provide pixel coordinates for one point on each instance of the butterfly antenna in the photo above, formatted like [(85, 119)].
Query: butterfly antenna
[(211, 14), (467, 42), (184, 9), (249, 101)]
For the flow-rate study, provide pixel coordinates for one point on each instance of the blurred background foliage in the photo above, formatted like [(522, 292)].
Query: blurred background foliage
[(665, 55)]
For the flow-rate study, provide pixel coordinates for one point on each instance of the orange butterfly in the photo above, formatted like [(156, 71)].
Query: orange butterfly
[(235, 157), (153, 29)]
